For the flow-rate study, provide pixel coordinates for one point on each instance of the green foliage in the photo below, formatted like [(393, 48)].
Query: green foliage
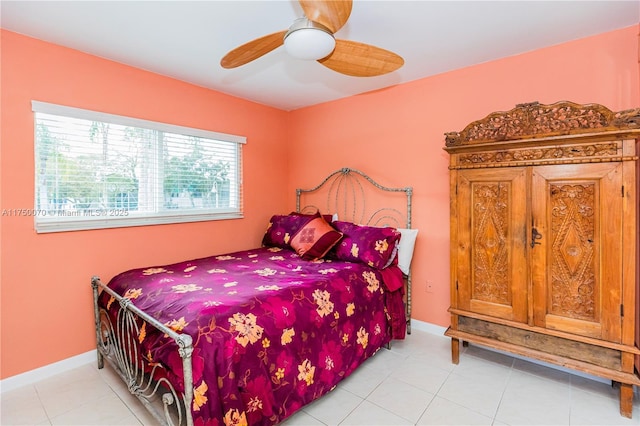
[(112, 178), (195, 173), (70, 178)]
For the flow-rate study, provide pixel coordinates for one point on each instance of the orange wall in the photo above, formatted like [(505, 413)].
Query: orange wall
[(46, 308), (397, 134)]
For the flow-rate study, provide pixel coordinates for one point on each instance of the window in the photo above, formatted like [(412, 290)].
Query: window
[(97, 170)]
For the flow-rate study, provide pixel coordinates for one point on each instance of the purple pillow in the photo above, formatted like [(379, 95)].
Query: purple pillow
[(373, 246), (327, 217), (283, 227)]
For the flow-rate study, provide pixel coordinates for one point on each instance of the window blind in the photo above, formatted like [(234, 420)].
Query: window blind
[(97, 170)]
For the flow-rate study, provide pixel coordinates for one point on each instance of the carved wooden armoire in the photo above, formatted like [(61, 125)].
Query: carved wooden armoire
[(544, 237)]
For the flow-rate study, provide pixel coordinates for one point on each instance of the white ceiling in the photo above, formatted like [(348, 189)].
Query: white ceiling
[(187, 39)]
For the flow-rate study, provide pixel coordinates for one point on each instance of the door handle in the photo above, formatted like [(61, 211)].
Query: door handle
[(535, 235)]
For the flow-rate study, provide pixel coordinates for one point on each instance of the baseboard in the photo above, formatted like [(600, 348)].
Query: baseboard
[(427, 327), (50, 370), (47, 371), (438, 330)]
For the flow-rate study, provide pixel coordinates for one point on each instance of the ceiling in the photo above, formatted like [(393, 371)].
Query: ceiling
[(186, 39)]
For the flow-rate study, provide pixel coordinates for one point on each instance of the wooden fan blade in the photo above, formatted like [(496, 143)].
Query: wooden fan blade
[(252, 50), (361, 60), (332, 14)]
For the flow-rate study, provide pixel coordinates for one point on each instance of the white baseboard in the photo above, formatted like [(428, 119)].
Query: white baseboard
[(47, 371), (438, 330), (427, 327)]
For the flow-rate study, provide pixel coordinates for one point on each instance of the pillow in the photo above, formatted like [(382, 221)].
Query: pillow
[(282, 227), (315, 238), (405, 248), (327, 217), (280, 230), (370, 245)]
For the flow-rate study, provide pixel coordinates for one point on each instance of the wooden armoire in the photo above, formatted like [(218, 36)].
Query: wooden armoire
[(544, 238)]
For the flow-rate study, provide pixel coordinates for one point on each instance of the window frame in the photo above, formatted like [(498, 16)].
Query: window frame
[(46, 222)]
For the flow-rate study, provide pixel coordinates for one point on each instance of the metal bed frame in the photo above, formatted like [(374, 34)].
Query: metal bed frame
[(346, 192), (346, 195)]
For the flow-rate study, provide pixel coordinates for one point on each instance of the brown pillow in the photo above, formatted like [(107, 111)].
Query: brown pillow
[(315, 238)]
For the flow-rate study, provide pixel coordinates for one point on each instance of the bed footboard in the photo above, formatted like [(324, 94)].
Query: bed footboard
[(118, 344)]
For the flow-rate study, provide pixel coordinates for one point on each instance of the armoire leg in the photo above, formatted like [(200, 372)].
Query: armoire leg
[(455, 351), (626, 399)]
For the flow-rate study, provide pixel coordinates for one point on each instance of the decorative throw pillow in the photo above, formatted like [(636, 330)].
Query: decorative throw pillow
[(315, 238), (282, 228), (373, 246), (327, 217)]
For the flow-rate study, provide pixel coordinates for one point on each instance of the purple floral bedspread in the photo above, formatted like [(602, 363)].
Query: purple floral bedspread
[(271, 332)]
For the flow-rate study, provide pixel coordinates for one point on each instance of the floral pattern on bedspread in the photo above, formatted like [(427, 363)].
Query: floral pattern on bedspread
[(271, 332)]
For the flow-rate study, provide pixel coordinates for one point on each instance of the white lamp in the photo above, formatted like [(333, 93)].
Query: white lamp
[(308, 40)]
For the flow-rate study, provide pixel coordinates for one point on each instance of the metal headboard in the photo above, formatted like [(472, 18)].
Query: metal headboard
[(356, 197), (346, 193)]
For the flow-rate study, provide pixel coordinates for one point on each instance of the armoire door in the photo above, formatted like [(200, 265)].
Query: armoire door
[(576, 248), (491, 263)]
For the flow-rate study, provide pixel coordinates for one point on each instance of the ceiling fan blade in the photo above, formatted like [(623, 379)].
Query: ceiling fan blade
[(252, 50), (361, 60), (332, 14)]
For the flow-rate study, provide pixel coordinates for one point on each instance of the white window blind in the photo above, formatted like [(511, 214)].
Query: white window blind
[(97, 170)]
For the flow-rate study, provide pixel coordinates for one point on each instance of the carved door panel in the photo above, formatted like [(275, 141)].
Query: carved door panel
[(491, 263), (576, 251)]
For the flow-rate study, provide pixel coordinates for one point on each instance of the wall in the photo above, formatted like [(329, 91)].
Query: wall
[(397, 134), (46, 306)]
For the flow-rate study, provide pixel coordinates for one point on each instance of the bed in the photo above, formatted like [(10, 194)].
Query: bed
[(252, 336)]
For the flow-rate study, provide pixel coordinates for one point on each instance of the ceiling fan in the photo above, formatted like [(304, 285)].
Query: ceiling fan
[(312, 37)]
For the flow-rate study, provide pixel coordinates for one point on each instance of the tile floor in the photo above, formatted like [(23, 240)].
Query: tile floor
[(414, 383)]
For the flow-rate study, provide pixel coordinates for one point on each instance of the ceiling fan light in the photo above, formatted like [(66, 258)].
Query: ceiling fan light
[(308, 40)]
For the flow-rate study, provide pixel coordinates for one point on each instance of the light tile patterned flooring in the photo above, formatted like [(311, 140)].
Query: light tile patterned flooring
[(414, 383)]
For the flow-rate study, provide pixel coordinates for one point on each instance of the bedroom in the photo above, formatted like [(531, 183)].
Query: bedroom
[(308, 142)]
